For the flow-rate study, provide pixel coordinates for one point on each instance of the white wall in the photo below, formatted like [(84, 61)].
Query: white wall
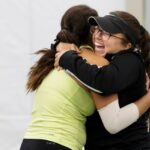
[(46, 16), (26, 26), (147, 14), (136, 7)]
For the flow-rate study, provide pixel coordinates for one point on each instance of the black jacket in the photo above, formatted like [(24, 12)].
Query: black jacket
[(124, 75)]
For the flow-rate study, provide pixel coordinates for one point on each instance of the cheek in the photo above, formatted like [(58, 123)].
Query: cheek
[(110, 46), (114, 47), (107, 44)]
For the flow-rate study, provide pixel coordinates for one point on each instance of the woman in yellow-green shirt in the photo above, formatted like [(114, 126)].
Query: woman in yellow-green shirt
[(61, 105)]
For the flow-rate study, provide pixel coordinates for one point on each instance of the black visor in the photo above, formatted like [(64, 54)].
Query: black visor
[(114, 24)]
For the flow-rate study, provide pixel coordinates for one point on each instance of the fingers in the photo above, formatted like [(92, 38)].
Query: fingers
[(59, 68), (57, 58), (147, 82), (66, 47), (61, 49), (75, 48)]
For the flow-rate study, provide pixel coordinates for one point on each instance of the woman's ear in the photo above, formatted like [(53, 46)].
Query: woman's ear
[(128, 45)]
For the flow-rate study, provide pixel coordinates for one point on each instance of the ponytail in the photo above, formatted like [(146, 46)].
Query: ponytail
[(144, 45), (46, 62), (40, 69)]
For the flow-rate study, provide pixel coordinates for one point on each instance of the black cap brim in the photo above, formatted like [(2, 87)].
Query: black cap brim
[(104, 23)]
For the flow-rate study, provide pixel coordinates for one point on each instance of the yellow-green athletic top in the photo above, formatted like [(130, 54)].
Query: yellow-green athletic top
[(59, 112)]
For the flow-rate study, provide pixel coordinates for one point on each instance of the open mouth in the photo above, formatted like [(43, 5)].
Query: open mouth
[(99, 49)]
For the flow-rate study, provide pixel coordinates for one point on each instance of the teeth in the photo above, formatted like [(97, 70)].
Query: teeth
[(97, 44)]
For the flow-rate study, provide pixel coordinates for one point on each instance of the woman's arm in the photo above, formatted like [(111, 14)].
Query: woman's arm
[(113, 117), (107, 79)]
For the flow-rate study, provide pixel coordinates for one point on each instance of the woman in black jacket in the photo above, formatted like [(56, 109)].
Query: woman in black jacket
[(121, 35)]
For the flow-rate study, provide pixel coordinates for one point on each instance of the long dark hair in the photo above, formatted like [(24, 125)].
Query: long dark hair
[(74, 29), (143, 36)]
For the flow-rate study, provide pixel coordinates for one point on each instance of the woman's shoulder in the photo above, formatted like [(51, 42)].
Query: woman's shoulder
[(128, 60), (128, 55), (92, 58)]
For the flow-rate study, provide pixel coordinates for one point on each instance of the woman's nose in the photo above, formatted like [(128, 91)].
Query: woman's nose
[(98, 35)]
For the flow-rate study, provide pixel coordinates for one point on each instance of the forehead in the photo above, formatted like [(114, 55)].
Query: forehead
[(98, 27)]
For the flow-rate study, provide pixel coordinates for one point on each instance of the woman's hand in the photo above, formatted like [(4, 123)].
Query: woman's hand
[(66, 47), (57, 58), (61, 49)]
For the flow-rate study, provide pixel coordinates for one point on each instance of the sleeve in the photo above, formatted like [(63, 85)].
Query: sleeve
[(120, 117), (120, 73)]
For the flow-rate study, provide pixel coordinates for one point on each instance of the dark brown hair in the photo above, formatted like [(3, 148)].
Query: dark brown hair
[(143, 36), (74, 29)]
